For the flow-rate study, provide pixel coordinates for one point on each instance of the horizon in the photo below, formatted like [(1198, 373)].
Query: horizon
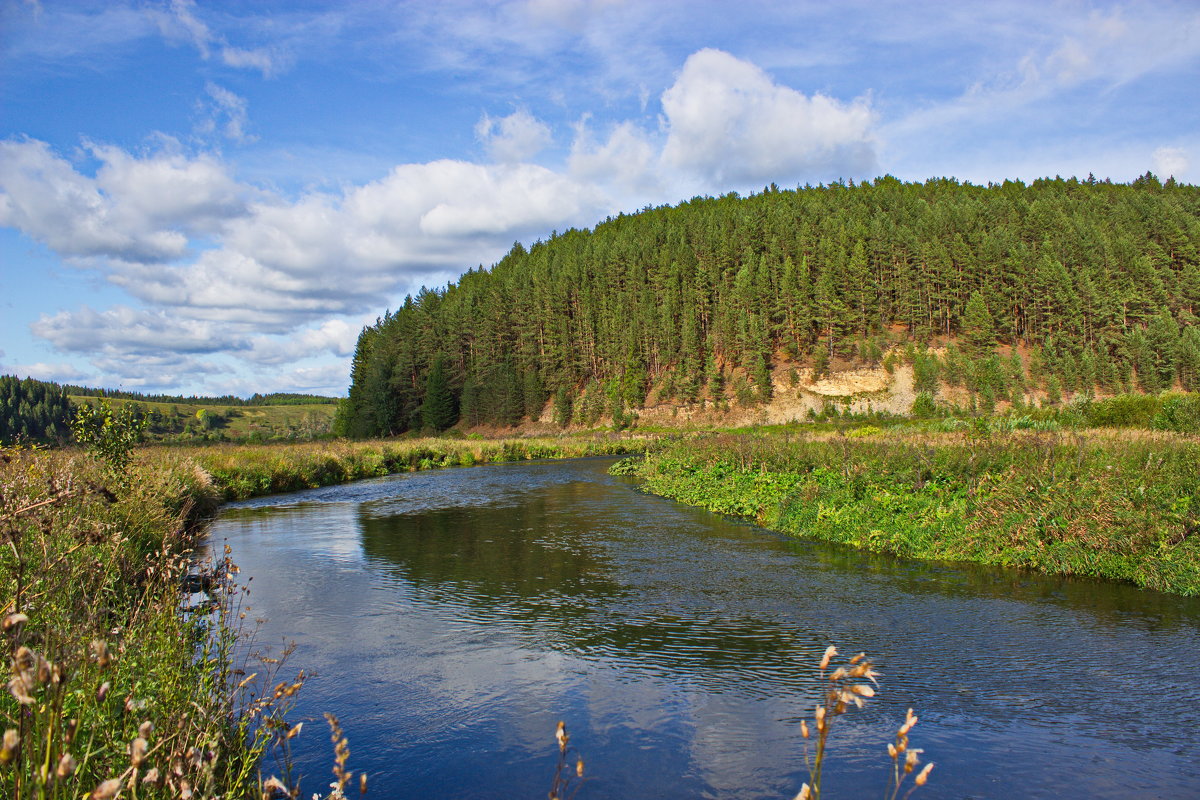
[(196, 199)]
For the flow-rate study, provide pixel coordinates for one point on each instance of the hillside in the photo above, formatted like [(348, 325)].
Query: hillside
[(1029, 293), (41, 412)]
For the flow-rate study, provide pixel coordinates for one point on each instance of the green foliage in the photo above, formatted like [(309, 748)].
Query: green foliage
[(107, 433), (33, 411)]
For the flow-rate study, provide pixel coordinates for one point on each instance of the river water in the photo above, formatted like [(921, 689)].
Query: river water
[(453, 617)]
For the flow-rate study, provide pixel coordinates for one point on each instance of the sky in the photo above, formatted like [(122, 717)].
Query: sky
[(214, 198)]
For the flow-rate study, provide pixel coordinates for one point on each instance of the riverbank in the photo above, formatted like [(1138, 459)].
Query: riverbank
[(113, 686), (1121, 506), (242, 471)]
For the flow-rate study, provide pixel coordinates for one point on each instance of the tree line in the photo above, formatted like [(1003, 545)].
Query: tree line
[(256, 399)]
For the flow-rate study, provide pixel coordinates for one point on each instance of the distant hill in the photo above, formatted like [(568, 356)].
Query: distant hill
[(1046, 290), (40, 411)]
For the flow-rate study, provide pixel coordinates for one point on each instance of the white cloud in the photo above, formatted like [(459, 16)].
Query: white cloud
[(138, 210), (728, 122), (627, 159), (332, 336), (1171, 161), (125, 331), (518, 137), (224, 110), (181, 22), (42, 195), (58, 372)]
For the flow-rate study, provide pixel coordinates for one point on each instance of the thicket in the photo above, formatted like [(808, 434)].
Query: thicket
[(1124, 506), (1099, 283)]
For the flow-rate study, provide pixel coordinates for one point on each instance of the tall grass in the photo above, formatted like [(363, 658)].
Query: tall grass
[(115, 689), (1124, 506)]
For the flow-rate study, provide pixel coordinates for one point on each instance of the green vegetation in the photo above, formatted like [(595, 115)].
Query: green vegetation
[(241, 471), (1124, 506), (190, 422), (1057, 289), (111, 685), (33, 411)]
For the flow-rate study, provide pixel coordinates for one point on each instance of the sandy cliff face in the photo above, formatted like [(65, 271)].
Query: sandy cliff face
[(859, 390)]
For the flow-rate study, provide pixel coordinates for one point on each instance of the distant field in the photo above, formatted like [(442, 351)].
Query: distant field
[(170, 421)]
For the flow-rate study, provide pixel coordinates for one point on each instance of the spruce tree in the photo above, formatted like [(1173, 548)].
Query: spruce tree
[(438, 410)]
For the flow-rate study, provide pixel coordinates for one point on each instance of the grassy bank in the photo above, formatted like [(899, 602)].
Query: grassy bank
[(1124, 506), (241, 471), (114, 690)]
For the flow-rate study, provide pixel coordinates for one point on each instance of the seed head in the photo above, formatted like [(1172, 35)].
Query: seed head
[(137, 751), (579, 768), (145, 729), (830, 652), (66, 766), (923, 775), (107, 789), (101, 653), (10, 746), (13, 620), (103, 691), (804, 729), (805, 793)]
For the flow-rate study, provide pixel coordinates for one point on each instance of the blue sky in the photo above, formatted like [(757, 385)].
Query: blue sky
[(215, 197)]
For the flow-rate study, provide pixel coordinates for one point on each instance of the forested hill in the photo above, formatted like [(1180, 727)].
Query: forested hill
[(1097, 283)]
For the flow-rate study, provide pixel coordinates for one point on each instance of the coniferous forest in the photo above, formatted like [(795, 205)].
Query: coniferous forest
[(1084, 286), (33, 411)]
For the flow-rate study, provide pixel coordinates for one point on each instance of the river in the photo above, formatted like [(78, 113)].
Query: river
[(453, 617)]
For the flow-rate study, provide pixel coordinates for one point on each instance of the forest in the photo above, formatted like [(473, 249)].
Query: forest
[(1062, 287), (33, 411)]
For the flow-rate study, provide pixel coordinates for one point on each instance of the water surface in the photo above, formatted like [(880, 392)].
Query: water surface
[(453, 617)]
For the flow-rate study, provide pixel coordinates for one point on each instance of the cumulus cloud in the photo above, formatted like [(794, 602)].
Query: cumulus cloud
[(728, 122), (518, 137), (137, 210), (334, 336), (122, 330), (626, 159), (1170, 161)]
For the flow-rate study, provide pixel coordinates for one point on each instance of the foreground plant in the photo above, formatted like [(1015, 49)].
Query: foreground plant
[(842, 688)]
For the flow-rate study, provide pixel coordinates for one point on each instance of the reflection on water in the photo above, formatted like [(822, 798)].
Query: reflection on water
[(454, 616)]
